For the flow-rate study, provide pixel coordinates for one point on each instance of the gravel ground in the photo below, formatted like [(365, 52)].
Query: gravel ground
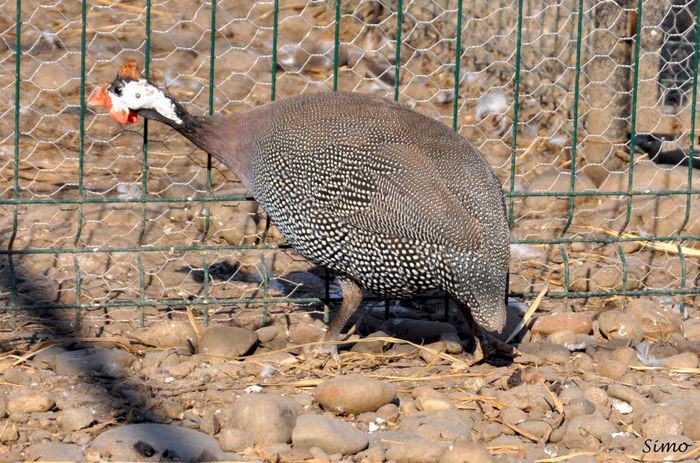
[(585, 387)]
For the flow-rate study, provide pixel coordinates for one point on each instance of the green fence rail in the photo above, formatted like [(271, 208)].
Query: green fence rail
[(585, 109)]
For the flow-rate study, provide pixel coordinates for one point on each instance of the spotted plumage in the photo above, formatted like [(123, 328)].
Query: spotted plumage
[(389, 198), (382, 196)]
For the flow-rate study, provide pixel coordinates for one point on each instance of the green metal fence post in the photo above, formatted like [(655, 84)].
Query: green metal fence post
[(458, 58), (694, 98), (336, 45), (399, 23), (144, 173), (516, 99), (15, 174), (633, 122), (574, 137), (81, 160)]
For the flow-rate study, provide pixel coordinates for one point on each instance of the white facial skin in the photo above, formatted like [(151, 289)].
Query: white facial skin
[(140, 94)]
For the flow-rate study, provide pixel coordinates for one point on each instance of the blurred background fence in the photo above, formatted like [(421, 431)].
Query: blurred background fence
[(585, 109)]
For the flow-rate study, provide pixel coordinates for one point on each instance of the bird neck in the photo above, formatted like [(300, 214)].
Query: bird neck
[(229, 138), (182, 122)]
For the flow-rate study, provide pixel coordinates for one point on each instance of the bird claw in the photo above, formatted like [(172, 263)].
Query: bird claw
[(486, 344), (325, 353)]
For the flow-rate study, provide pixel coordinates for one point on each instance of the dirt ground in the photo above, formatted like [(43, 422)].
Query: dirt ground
[(169, 367)]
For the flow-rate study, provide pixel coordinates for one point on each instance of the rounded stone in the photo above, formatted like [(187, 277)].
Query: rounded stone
[(582, 431), (172, 409), (473, 384), (167, 334), (545, 352), (562, 337), (612, 369), (76, 418), (235, 440), (512, 415), (30, 403), (226, 341), (305, 333), (625, 355), (8, 432), (429, 352), (372, 453), (660, 425), (656, 320), (354, 394), (268, 333), (596, 395), (578, 407), (629, 395), (55, 451), (416, 451), (368, 346), (527, 397), (447, 425), (330, 434), (682, 360), (180, 370), (16, 376), (269, 419), (433, 403), (388, 412), (564, 321), (425, 391), (137, 442), (666, 417), (619, 325), (691, 329), (538, 428), (466, 452)]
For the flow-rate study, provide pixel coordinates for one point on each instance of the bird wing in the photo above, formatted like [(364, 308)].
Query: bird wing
[(398, 192)]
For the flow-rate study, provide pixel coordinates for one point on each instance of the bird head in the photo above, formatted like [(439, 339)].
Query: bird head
[(130, 94), (488, 305)]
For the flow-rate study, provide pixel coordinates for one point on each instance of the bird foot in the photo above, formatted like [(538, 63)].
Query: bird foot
[(324, 354), (486, 344)]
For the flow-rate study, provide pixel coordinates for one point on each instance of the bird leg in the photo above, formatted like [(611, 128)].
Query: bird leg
[(484, 340), (352, 296)]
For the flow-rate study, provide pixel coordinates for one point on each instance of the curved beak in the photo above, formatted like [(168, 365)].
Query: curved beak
[(100, 97)]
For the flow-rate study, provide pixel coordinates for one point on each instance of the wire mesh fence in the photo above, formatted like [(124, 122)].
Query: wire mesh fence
[(585, 109)]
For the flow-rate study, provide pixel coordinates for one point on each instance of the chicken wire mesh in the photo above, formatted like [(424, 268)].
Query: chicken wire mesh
[(585, 109)]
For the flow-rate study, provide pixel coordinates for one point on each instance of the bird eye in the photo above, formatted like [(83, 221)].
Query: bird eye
[(118, 91)]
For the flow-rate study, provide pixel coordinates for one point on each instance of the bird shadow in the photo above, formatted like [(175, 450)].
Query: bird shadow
[(36, 326)]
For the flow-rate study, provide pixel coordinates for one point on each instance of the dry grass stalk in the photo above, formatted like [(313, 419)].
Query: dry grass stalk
[(657, 246), (503, 449), (19, 359), (522, 432), (123, 342), (481, 398), (132, 8), (630, 429), (193, 323), (678, 371), (533, 307)]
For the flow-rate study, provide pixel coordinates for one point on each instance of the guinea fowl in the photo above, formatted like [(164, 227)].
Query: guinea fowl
[(380, 195)]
